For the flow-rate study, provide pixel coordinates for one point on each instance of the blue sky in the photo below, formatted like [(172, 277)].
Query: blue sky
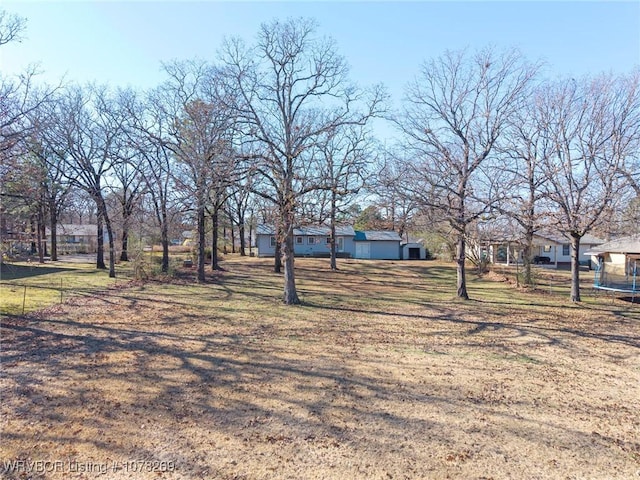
[(123, 43)]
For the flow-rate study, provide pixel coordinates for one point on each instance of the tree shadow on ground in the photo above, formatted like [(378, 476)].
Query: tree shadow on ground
[(10, 271), (127, 376)]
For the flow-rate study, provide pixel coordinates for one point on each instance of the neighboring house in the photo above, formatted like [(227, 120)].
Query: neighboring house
[(618, 264), (377, 245), (72, 238), (314, 241), (557, 248), (188, 238), (307, 241), (548, 249)]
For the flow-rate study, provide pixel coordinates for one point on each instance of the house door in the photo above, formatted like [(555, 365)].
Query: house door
[(340, 245), (363, 250), (414, 253)]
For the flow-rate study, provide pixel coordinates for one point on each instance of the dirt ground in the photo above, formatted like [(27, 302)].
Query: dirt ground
[(378, 375)]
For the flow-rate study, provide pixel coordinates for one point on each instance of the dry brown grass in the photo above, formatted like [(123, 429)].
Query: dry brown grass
[(379, 374)]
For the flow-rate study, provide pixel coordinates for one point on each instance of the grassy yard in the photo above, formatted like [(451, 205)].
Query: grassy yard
[(379, 374), (32, 286)]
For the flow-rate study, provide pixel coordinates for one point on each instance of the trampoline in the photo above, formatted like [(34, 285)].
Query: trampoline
[(618, 277)]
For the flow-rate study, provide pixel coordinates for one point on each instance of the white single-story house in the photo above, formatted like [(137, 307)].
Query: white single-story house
[(308, 241), (377, 245), (548, 249), (557, 248), (618, 264), (314, 241)]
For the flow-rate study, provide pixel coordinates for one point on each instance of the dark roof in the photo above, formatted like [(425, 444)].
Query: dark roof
[(377, 236), (341, 231), (630, 244)]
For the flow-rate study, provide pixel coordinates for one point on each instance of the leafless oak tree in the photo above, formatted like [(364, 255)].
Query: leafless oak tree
[(590, 123), (290, 89), (82, 129), (455, 112), (200, 130), (11, 27), (346, 154)]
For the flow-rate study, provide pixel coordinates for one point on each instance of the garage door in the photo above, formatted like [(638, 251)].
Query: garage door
[(363, 250)]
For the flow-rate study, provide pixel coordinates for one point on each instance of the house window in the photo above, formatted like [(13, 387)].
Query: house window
[(311, 240), (299, 240), (546, 248), (565, 249), (328, 240), (272, 241)]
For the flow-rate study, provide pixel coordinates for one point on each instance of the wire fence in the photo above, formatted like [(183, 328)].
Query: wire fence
[(20, 298)]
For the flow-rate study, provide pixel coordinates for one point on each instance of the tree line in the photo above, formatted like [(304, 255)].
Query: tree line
[(276, 126)]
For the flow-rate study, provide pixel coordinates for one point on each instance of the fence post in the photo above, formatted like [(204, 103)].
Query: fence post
[(61, 291)]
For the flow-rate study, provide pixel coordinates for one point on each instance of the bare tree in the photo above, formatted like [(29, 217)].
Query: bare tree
[(290, 89), (456, 111), (11, 27), (83, 126), (148, 132), (590, 123), (238, 206), (346, 154), (526, 147), (392, 192), (200, 137), (53, 187), (125, 182), (19, 95)]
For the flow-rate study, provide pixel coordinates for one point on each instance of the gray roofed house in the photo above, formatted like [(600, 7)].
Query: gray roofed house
[(314, 241), (378, 245), (630, 244), (307, 230), (309, 241)]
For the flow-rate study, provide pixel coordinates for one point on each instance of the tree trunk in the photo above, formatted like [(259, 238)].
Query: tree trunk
[(277, 263), (53, 216), (575, 267), (102, 211), (214, 241), (112, 248), (233, 240), (39, 238), (43, 229), (526, 258), (250, 234), (124, 255), (334, 263), (34, 234), (224, 238), (290, 293), (201, 243), (127, 213), (461, 273), (100, 243), (243, 242), (164, 240)]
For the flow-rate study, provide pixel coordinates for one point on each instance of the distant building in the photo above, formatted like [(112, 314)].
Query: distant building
[(314, 241), (76, 238)]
